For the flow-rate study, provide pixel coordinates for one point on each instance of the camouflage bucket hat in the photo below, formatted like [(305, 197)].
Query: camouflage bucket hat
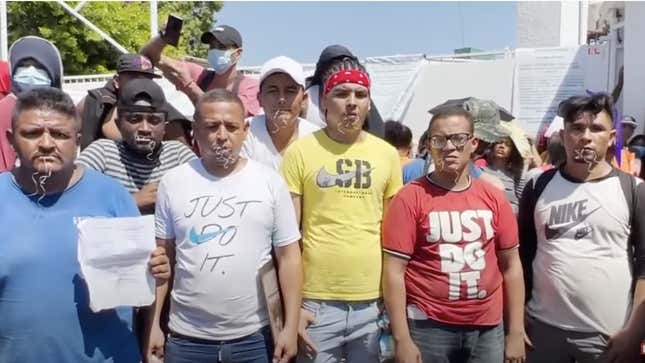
[(487, 117)]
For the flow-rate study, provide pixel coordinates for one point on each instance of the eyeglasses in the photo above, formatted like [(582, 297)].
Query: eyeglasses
[(153, 118), (458, 140)]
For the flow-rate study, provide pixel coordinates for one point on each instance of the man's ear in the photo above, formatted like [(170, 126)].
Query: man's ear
[(115, 80), (237, 54), (11, 138), (612, 138), (304, 104)]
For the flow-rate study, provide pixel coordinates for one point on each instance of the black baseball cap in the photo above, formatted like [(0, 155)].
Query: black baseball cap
[(136, 63), (329, 54), (225, 34), (142, 89)]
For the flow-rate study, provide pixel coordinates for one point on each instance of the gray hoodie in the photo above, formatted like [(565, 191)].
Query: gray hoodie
[(40, 50)]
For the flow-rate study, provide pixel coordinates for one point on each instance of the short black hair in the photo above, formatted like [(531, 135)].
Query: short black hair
[(453, 111), (218, 95), (45, 98), (571, 108), (397, 134)]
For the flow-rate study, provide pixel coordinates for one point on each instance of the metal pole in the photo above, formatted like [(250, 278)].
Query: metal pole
[(92, 26), (4, 46), (154, 26), (81, 5)]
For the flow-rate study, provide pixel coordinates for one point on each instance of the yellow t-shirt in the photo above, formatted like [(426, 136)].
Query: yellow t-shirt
[(343, 188)]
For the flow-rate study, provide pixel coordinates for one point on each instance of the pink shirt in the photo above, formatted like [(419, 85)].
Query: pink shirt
[(248, 90), (7, 155)]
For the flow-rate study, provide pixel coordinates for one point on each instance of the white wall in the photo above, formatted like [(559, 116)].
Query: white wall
[(634, 54), (550, 23), (538, 24)]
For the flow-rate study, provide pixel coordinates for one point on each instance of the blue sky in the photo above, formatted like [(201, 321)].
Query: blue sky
[(302, 29)]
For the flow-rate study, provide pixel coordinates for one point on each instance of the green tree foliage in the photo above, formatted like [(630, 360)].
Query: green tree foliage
[(128, 22)]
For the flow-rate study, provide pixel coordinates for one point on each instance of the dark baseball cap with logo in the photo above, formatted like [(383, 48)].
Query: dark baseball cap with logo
[(225, 34), (142, 95), (136, 63)]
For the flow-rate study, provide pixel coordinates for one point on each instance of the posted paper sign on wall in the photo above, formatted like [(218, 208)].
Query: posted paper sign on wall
[(546, 76)]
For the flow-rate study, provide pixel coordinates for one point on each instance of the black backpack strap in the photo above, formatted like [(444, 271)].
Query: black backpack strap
[(206, 80), (628, 185), (526, 224)]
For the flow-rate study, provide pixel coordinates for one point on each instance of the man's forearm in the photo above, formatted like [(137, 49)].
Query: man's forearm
[(153, 314), (514, 296), (153, 49), (394, 298), (290, 276), (636, 322)]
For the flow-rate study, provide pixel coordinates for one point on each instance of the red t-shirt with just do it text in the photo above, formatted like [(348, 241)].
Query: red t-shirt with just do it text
[(450, 239)]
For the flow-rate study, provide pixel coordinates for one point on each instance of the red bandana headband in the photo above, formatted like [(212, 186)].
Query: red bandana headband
[(347, 76)]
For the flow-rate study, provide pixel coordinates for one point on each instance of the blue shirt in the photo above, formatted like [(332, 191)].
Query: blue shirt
[(415, 169), (44, 302)]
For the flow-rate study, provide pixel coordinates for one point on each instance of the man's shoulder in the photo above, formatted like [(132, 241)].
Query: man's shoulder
[(181, 173), (486, 190), (103, 146), (100, 182), (306, 127), (249, 82)]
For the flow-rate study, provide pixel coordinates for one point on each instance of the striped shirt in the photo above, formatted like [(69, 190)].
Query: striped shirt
[(133, 171)]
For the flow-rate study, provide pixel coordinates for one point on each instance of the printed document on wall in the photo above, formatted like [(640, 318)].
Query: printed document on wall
[(113, 254), (544, 77)]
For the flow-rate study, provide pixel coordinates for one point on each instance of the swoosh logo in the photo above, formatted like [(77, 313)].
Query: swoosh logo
[(198, 239), (551, 232), (327, 180)]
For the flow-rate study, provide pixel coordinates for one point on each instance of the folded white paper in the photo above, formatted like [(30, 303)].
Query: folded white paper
[(113, 254)]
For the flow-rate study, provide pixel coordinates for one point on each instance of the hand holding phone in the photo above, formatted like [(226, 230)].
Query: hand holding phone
[(172, 31)]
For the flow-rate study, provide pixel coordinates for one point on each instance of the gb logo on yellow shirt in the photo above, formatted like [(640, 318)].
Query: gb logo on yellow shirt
[(355, 174)]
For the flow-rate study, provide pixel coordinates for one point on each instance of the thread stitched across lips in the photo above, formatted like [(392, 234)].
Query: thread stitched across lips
[(355, 76)]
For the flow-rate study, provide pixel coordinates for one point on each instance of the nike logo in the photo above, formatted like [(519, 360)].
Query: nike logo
[(327, 180), (553, 232), (197, 238)]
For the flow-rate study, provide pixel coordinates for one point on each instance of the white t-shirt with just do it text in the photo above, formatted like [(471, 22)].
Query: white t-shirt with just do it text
[(224, 229)]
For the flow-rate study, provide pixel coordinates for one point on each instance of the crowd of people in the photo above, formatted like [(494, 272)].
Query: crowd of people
[(472, 247)]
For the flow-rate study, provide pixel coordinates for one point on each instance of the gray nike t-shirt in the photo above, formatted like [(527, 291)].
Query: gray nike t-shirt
[(582, 271)]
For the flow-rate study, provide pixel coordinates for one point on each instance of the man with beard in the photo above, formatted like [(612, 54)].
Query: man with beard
[(44, 301), (219, 232), (583, 247), (282, 95), (341, 179), (142, 158)]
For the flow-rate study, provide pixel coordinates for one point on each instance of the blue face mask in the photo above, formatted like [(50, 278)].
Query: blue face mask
[(220, 60), (638, 150), (31, 77)]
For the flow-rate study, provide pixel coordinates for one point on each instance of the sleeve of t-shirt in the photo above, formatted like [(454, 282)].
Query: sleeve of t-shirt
[(164, 223), (506, 224), (292, 169), (638, 232), (196, 71), (93, 157), (285, 225), (185, 154), (248, 93), (124, 205), (395, 181), (475, 172), (399, 231)]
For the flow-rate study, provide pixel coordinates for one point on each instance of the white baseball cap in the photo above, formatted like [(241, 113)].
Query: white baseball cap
[(286, 65)]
